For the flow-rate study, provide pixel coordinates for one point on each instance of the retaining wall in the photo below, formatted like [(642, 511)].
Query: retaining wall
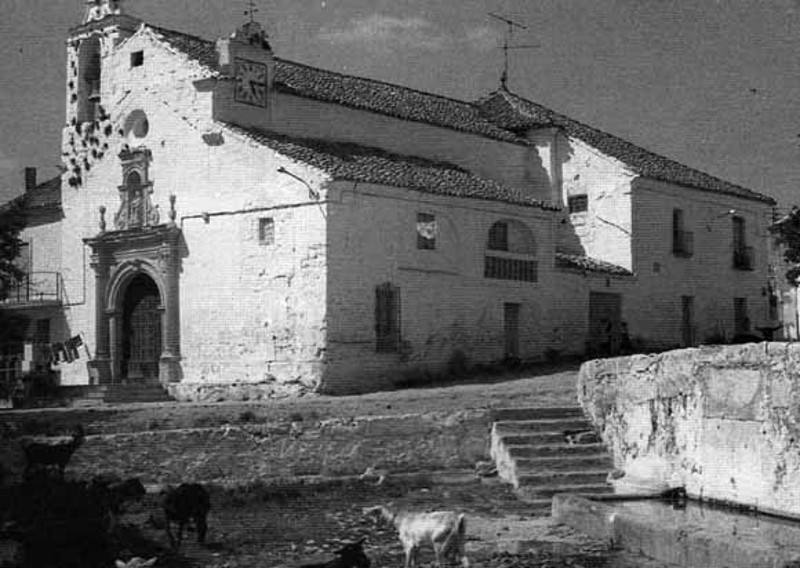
[(723, 422)]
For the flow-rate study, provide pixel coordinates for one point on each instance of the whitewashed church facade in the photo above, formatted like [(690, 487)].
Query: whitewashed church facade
[(234, 224)]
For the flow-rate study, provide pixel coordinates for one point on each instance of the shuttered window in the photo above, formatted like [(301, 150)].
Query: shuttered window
[(387, 318)]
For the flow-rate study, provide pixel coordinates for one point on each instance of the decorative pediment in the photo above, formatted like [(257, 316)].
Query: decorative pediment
[(136, 209)]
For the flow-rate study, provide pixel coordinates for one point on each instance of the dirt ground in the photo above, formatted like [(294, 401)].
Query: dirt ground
[(271, 526), (266, 527), (545, 385)]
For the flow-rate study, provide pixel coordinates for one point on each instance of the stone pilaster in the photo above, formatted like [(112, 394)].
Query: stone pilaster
[(101, 263)]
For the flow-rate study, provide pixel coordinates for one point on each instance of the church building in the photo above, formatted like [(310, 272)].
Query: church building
[(231, 224)]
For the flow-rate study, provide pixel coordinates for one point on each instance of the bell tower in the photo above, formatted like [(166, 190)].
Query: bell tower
[(248, 67), (104, 26)]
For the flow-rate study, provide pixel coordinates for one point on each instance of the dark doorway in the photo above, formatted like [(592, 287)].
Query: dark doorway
[(687, 320), (511, 325), (141, 331), (605, 323)]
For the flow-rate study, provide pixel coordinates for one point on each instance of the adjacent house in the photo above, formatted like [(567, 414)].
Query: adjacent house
[(233, 224)]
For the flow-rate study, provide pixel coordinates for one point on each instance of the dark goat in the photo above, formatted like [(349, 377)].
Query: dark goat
[(45, 455), (189, 501), (117, 493), (349, 556)]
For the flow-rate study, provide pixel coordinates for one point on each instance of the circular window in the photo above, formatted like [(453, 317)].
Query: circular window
[(137, 124)]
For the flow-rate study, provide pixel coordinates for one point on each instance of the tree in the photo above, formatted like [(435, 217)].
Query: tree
[(12, 221), (787, 235)]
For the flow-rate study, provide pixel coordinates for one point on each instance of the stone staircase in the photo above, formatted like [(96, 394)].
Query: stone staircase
[(544, 451)]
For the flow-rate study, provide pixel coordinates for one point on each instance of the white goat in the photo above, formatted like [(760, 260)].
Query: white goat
[(445, 530)]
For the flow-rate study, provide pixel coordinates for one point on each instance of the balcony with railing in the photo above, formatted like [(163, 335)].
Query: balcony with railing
[(34, 289), (743, 258), (683, 243), (505, 268)]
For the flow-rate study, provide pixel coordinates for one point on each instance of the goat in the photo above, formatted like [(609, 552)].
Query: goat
[(45, 455), (445, 530), (189, 501), (349, 556), (115, 494), (136, 562)]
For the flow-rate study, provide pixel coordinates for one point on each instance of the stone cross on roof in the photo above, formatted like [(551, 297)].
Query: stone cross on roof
[(99, 9)]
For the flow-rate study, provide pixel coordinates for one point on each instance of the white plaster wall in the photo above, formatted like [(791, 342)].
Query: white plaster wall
[(708, 275), (233, 291), (604, 231), (446, 303), (43, 235), (511, 164)]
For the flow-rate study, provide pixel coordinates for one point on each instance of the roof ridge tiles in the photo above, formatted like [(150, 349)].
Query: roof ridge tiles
[(370, 164), (471, 117)]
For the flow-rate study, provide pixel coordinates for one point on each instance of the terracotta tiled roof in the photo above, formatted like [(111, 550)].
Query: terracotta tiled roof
[(46, 195), (356, 92), (353, 162), (386, 98), (502, 115), (516, 113), (580, 262), (201, 50)]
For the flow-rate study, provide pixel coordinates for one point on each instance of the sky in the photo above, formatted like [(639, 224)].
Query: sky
[(713, 84)]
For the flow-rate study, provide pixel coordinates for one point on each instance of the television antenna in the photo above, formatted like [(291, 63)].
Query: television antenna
[(251, 10), (507, 40)]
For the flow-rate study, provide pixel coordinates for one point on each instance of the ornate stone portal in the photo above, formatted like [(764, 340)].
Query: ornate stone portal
[(140, 252)]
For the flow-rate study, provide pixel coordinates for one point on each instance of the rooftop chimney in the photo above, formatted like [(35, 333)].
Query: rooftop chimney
[(30, 178)]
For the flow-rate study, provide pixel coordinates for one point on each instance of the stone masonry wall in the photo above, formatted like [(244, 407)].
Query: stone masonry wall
[(723, 422)]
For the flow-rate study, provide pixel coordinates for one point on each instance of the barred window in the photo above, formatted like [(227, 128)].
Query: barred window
[(578, 203), (510, 269), (266, 231)]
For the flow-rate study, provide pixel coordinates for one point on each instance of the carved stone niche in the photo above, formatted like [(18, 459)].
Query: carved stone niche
[(136, 209)]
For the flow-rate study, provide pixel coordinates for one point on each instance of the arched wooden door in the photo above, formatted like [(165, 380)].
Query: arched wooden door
[(141, 330)]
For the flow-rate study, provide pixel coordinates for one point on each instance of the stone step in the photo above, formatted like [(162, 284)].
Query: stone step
[(573, 463), (533, 439), (538, 493), (506, 414), (556, 450), (542, 425), (120, 394), (562, 478)]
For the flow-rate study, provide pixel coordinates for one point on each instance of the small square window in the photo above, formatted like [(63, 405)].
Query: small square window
[(426, 231), (266, 231), (137, 58), (578, 203)]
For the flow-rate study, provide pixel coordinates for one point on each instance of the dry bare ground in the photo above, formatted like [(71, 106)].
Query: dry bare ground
[(264, 526)]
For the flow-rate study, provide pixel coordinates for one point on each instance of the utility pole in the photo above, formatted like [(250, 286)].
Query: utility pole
[(506, 41)]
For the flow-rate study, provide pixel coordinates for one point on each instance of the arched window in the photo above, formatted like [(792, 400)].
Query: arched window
[(511, 252)]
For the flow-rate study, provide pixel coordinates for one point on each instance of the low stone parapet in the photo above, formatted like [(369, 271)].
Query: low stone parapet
[(723, 422)]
